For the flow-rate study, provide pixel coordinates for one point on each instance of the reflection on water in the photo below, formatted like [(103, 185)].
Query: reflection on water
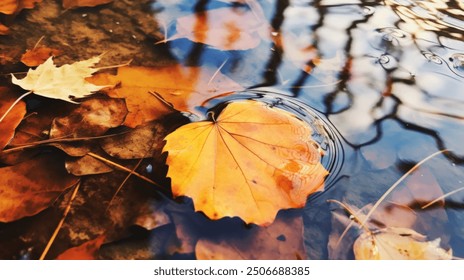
[(384, 80)]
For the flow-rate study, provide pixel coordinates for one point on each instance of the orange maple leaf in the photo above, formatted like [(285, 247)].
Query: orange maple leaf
[(251, 162)]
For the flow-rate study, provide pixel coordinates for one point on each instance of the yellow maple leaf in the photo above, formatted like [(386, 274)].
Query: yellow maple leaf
[(251, 162), (66, 82)]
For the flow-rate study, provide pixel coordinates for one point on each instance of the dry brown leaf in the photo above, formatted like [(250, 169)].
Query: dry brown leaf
[(223, 28), (398, 244), (183, 87), (14, 117), (251, 162), (38, 55), (66, 82), (141, 142), (93, 117), (31, 186), (86, 251), (282, 240), (70, 4), (86, 165)]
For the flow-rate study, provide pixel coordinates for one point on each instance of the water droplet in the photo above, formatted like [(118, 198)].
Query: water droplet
[(149, 168), (368, 10), (274, 34), (458, 60), (84, 15), (433, 57), (388, 62)]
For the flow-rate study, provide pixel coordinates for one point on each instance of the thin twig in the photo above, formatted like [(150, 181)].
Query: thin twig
[(14, 103), (114, 66), (123, 183), (217, 71), (441, 197), (38, 42), (60, 224), (19, 147), (118, 166), (369, 214)]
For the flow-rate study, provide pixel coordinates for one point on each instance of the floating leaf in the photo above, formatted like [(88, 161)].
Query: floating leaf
[(282, 240), (14, 117), (398, 244), (66, 82), (31, 186), (183, 87), (251, 162), (223, 28), (69, 4), (38, 55), (86, 251)]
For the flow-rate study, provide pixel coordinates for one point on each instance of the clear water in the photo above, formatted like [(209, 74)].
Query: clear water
[(383, 89)]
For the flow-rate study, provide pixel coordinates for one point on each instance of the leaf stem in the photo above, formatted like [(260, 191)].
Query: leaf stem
[(60, 224), (397, 183), (14, 103)]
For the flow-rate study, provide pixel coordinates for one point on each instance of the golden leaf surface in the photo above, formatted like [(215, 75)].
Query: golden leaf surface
[(65, 82), (398, 244), (251, 162)]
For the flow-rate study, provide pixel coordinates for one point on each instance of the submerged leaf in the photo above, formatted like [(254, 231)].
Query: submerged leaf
[(251, 162), (183, 87), (223, 28), (66, 82), (398, 244), (14, 117), (282, 240), (31, 186)]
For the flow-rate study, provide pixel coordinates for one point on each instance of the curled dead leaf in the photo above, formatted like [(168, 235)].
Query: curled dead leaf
[(251, 162)]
